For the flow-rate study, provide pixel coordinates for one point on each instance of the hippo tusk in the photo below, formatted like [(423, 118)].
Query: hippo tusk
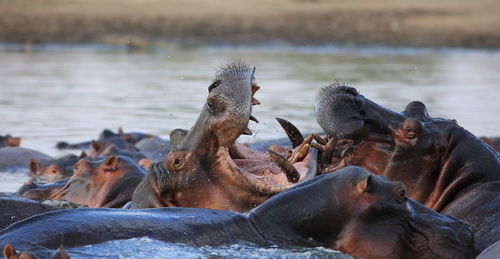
[(301, 151), (319, 139), (253, 118), (255, 88), (329, 147), (318, 147), (292, 132), (291, 173), (247, 131), (255, 101)]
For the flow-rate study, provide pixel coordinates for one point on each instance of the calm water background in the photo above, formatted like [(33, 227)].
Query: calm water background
[(71, 93)]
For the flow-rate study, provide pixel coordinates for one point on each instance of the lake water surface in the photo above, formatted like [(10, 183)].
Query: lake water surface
[(68, 93)]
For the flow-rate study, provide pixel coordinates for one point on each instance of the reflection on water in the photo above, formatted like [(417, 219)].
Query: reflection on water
[(151, 248)]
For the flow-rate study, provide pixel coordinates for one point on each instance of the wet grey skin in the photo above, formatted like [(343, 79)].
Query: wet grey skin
[(442, 165), (318, 212)]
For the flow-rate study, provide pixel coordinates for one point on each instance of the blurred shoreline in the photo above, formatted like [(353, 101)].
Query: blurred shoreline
[(141, 24)]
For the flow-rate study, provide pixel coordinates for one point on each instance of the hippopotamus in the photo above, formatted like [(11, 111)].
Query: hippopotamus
[(106, 183), (153, 148), (493, 142), (55, 169), (206, 168), (351, 210), (15, 208), (107, 135), (108, 149), (9, 252), (9, 141), (40, 190), (442, 165), (17, 159)]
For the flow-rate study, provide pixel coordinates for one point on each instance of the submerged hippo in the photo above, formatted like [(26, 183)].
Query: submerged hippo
[(351, 210), (14, 208), (206, 168), (442, 165), (109, 136), (55, 169), (9, 141), (493, 142), (107, 183), (17, 159), (154, 148), (9, 252), (40, 190)]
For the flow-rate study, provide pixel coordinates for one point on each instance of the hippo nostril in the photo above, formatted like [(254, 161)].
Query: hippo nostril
[(177, 162), (401, 194)]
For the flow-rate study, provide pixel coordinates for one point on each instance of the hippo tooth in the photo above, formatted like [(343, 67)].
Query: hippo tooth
[(318, 147), (253, 118), (255, 101), (255, 88), (292, 132), (247, 131), (290, 171), (319, 139)]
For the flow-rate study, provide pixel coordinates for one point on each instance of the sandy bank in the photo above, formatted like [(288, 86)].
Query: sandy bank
[(454, 23)]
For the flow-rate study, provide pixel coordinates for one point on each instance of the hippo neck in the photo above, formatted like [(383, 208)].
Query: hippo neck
[(466, 163), (297, 217)]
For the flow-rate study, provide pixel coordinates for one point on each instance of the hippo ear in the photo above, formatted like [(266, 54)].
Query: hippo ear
[(146, 163), (60, 253), (363, 185), (8, 251), (120, 130), (97, 145), (111, 163), (34, 166), (83, 155), (176, 137), (13, 142), (128, 138)]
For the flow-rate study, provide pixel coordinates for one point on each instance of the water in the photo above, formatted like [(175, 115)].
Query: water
[(152, 248), (71, 93)]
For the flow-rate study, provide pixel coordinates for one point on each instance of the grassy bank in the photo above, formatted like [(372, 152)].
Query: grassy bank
[(455, 23)]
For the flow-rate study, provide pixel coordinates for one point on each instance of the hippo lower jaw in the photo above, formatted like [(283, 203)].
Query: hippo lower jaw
[(256, 172), (345, 153)]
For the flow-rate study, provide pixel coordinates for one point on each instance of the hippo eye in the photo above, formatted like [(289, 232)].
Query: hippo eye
[(178, 162), (213, 85), (54, 171), (409, 133), (401, 194)]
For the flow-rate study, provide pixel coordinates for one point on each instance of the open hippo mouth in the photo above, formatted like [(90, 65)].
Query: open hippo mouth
[(351, 122), (361, 132), (207, 154)]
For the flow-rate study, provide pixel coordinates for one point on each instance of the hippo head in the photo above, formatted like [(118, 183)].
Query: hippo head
[(54, 170), (369, 135), (10, 253), (361, 214), (206, 168), (429, 155), (9, 141), (105, 183)]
